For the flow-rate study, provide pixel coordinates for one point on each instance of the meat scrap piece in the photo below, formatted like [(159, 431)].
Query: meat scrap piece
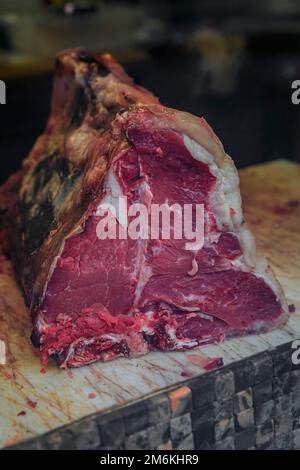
[(94, 298)]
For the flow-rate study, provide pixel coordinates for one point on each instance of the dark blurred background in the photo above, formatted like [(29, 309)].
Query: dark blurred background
[(230, 61)]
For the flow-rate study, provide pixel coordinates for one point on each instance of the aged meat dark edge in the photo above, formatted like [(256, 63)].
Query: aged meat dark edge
[(96, 299)]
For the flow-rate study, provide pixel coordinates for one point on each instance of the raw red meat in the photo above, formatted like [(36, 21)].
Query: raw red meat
[(99, 299)]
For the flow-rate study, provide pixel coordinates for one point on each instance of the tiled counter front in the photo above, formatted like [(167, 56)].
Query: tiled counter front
[(252, 404)]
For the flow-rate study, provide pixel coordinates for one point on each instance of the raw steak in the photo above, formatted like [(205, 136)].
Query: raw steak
[(93, 298)]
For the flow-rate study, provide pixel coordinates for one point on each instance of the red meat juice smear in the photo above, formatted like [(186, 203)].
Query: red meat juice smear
[(206, 363), (31, 403)]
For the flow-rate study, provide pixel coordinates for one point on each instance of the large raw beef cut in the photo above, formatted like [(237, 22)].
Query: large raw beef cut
[(94, 298)]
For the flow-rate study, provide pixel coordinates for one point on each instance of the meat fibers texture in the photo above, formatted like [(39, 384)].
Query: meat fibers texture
[(93, 298)]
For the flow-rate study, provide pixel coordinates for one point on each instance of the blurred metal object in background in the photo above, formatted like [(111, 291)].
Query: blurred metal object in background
[(44, 33), (72, 7), (219, 61)]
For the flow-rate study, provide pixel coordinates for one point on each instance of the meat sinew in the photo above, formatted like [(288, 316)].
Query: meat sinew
[(94, 298)]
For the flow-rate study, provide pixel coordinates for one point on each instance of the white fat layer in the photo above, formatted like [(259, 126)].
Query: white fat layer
[(225, 197), (145, 275), (190, 343), (180, 343), (113, 192), (226, 194), (87, 342), (41, 323), (171, 332)]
